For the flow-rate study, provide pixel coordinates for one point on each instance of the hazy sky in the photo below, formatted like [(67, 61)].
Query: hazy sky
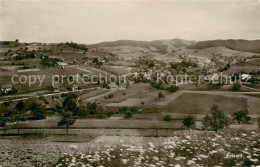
[(92, 22)]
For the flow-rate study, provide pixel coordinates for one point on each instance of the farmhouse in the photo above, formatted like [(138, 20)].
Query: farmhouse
[(55, 89), (7, 89), (112, 86), (245, 76), (62, 64), (75, 87)]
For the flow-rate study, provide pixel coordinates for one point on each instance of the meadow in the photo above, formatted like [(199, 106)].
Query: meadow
[(208, 149), (199, 103)]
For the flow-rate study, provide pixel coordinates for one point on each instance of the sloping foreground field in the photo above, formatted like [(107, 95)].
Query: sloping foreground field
[(226, 148), (201, 103)]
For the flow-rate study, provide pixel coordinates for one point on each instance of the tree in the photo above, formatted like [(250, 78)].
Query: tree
[(160, 95), (68, 111), (2, 119), (189, 122), (20, 106), (206, 123), (37, 110), (241, 117), (70, 103), (18, 114), (258, 122), (67, 120), (217, 121)]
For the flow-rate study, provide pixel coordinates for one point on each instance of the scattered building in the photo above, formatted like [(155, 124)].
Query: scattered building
[(112, 86), (6, 89)]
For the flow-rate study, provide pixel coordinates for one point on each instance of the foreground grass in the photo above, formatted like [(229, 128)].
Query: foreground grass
[(223, 149)]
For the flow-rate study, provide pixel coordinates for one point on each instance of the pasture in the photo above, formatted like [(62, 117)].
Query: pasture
[(199, 103)]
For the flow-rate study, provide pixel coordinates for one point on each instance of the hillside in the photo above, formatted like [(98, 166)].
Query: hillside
[(163, 46), (238, 45)]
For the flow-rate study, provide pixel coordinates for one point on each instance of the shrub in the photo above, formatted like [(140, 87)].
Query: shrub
[(133, 109), (236, 87), (122, 110), (160, 95), (241, 117), (128, 115), (64, 95), (173, 89), (5, 43), (110, 96), (167, 118)]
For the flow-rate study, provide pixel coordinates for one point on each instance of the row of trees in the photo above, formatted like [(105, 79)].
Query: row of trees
[(216, 120)]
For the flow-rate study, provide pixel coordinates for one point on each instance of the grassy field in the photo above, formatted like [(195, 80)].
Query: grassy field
[(254, 95), (117, 70), (255, 62), (198, 103), (51, 121), (252, 65)]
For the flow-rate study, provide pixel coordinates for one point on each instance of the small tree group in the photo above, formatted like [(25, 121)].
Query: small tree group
[(20, 112), (217, 120), (241, 117), (128, 111)]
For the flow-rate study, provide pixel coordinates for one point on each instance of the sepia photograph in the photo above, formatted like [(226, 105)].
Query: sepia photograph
[(129, 83)]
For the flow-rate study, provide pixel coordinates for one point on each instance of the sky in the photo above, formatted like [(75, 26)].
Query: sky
[(89, 22)]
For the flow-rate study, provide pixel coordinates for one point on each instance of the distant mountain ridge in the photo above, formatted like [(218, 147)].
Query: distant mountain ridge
[(161, 45), (238, 45), (171, 44)]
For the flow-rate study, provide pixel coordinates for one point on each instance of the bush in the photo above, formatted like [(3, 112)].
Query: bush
[(236, 87), (122, 110), (160, 95), (133, 110), (92, 110), (110, 96), (173, 89), (241, 117), (167, 118), (218, 120), (64, 95), (5, 43), (128, 115)]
